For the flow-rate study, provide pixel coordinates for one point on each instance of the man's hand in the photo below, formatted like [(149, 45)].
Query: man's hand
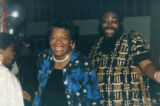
[(150, 70), (157, 77)]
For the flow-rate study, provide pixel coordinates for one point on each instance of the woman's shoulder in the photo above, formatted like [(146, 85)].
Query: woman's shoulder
[(3, 69), (45, 53), (4, 73), (78, 55)]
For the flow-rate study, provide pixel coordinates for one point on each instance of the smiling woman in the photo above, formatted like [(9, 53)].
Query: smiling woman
[(7, 48), (66, 77), (60, 43), (10, 89)]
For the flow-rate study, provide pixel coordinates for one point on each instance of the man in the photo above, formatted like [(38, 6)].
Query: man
[(116, 56), (26, 61), (10, 89)]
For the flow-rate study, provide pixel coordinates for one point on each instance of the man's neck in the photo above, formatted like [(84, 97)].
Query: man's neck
[(108, 44)]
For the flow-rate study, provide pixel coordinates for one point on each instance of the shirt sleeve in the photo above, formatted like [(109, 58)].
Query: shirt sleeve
[(139, 47), (141, 57)]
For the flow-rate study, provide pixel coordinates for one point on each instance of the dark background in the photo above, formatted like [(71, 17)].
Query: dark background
[(47, 10)]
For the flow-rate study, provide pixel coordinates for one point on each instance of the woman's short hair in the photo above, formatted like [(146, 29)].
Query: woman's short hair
[(65, 24), (5, 40)]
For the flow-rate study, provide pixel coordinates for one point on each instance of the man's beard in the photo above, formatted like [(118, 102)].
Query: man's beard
[(109, 42), (114, 36)]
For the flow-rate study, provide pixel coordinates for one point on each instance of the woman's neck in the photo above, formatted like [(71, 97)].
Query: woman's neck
[(62, 63)]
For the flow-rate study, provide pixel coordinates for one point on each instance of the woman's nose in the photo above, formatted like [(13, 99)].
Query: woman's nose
[(58, 39)]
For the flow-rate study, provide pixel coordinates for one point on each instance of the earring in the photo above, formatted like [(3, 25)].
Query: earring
[(1, 58)]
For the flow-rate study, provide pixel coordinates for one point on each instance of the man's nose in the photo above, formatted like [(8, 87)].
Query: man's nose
[(110, 24)]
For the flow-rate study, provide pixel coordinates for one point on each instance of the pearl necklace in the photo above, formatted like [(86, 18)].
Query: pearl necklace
[(60, 61)]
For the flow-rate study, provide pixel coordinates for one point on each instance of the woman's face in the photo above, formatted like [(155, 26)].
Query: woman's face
[(60, 42), (8, 54)]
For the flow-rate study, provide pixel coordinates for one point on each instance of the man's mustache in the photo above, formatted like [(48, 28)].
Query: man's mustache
[(109, 28)]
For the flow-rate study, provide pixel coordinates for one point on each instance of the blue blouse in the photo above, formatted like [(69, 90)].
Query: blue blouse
[(80, 82)]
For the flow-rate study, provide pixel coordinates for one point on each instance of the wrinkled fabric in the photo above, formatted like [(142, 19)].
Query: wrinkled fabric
[(10, 89), (116, 70)]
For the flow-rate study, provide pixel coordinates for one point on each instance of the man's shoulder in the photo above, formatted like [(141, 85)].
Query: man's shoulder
[(133, 35)]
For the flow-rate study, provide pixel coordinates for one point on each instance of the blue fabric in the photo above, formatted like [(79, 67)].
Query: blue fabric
[(79, 78)]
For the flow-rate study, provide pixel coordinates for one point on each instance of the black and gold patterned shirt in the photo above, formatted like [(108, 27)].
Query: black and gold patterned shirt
[(116, 70)]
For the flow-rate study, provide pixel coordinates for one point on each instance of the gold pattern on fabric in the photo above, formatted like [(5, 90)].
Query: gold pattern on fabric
[(116, 72)]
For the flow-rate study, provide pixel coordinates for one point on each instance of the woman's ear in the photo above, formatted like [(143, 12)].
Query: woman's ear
[(1, 56), (73, 45)]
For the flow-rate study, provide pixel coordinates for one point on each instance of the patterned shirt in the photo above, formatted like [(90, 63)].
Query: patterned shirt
[(81, 86), (116, 70)]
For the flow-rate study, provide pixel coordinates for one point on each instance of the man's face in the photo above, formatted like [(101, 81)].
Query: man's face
[(110, 24), (8, 54)]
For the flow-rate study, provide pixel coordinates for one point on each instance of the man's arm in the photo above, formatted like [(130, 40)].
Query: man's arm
[(150, 70)]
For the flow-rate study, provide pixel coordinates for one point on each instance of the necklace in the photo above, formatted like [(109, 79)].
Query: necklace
[(59, 61)]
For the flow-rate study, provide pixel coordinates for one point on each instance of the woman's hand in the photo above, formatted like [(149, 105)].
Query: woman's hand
[(26, 95)]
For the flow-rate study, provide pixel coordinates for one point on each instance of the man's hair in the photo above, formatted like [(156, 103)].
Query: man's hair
[(117, 12), (5, 40), (65, 24)]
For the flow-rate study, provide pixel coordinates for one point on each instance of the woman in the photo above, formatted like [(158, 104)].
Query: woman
[(10, 88), (66, 77)]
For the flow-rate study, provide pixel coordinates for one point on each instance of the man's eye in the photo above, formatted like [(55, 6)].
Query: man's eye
[(107, 21)]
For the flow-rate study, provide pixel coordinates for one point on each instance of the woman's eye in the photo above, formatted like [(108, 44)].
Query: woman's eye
[(65, 38), (52, 37), (60, 38)]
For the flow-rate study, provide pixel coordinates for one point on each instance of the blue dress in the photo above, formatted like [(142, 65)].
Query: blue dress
[(79, 78)]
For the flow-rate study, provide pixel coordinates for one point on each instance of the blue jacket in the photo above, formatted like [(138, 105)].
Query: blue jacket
[(81, 87)]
